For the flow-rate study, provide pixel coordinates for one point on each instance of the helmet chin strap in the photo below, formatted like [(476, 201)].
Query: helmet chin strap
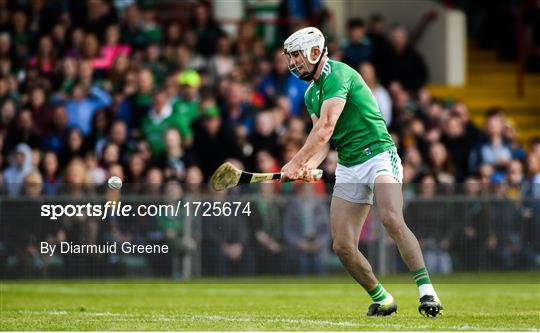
[(309, 76)]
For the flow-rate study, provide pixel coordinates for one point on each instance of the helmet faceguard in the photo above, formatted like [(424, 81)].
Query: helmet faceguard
[(303, 41)]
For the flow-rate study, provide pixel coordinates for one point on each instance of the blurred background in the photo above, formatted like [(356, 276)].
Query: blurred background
[(160, 93)]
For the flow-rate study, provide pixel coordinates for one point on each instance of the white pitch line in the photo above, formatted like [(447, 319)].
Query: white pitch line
[(124, 317)]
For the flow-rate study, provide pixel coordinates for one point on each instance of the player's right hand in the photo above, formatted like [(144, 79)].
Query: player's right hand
[(303, 173)]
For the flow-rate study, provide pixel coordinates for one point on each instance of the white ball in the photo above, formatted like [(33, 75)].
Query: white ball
[(115, 183)]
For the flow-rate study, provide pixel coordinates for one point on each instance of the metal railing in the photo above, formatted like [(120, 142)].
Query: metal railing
[(456, 233)]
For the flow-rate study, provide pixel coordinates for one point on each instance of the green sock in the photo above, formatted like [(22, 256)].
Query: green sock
[(379, 294), (421, 276)]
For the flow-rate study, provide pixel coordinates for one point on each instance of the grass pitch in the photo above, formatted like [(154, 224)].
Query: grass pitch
[(292, 304)]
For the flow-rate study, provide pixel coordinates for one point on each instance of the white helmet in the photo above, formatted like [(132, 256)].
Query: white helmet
[(304, 40)]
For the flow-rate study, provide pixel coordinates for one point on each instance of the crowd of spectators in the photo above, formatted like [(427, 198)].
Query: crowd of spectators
[(89, 90)]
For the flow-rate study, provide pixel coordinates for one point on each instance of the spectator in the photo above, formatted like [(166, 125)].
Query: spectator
[(280, 82), (117, 170), (50, 169), (455, 141), (38, 108), (289, 150), (110, 155), (151, 28), (186, 58), (222, 63), (485, 173), (403, 63), (45, 59), (300, 14), (33, 185), (99, 16), (136, 169), (515, 177), (268, 232), (160, 118), (472, 133), (265, 162), (132, 29), (85, 75), (467, 243), (188, 103), (8, 114), (413, 159), (358, 48), (194, 180), (74, 148), (77, 39), (21, 37), (66, 76), (36, 158), (206, 29), (173, 34), (20, 168), (154, 181), (152, 60), (76, 178), (306, 231), (97, 175), (118, 75), (246, 42), (25, 131), (56, 134), (494, 151), (118, 134), (329, 166), (245, 146), (533, 167), (111, 50), (426, 218), (440, 164), (376, 32), (226, 246), (382, 97), (295, 132), (90, 48), (101, 123), (175, 158), (213, 143), (509, 135), (237, 108), (264, 137), (82, 106), (138, 103), (404, 107), (173, 231)]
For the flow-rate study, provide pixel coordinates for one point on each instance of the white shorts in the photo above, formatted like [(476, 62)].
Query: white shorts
[(356, 183)]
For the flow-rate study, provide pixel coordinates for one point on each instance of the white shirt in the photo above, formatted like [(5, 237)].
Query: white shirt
[(385, 103)]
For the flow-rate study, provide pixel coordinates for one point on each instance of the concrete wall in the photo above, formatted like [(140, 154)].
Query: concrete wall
[(229, 10), (443, 44)]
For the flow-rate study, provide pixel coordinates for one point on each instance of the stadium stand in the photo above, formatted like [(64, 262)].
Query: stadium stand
[(92, 89)]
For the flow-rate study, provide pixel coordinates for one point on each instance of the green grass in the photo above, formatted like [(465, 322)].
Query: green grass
[(314, 304)]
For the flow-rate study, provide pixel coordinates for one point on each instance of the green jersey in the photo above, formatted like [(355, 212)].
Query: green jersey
[(360, 131), (153, 130)]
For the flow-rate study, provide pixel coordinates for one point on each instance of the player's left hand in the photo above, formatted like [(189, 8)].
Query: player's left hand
[(292, 171)]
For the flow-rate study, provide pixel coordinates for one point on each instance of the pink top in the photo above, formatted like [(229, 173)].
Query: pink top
[(109, 53), (46, 66)]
